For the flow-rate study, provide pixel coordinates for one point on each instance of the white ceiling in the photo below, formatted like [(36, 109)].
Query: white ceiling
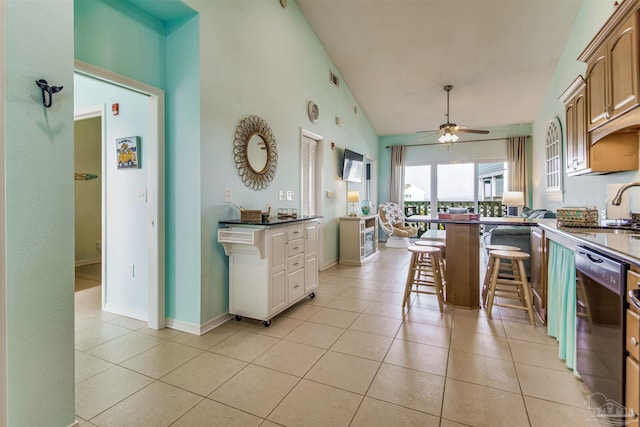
[(396, 56)]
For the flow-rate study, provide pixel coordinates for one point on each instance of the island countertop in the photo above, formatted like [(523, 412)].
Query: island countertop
[(482, 220)]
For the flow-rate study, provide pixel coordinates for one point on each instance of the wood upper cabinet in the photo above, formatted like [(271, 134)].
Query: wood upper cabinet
[(576, 140), (612, 67)]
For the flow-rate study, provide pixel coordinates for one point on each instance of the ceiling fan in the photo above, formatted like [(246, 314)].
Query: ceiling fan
[(448, 131)]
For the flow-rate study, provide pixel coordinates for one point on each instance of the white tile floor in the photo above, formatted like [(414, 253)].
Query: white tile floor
[(350, 357)]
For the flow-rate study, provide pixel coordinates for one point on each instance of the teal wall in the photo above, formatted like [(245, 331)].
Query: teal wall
[(580, 190), (162, 53), (39, 214), (183, 229), (119, 37)]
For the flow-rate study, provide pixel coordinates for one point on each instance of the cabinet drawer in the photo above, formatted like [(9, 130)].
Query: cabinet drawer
[(632, 392), (295, 247), (295, 232), (296, 285), (632, 334), (633, 282), (295, 263)]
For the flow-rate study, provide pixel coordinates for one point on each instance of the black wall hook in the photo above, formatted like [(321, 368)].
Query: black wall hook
[(45, 88)]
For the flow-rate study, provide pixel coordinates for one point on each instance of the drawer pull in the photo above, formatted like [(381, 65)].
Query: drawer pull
[(296, 286), (296, 263), (634, 341), (296, 248), (634, 296)]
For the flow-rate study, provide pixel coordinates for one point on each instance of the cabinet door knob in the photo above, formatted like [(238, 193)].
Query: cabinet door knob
[(634, 341)]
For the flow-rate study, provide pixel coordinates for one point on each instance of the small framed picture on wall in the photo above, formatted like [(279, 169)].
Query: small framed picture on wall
[(128, 150)]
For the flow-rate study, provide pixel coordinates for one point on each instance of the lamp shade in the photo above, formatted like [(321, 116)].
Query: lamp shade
[(353, 196), (513, 198)]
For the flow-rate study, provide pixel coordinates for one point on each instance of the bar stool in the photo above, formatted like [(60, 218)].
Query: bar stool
[(439, 245), (425, 269), (505, 268), (512, 288)]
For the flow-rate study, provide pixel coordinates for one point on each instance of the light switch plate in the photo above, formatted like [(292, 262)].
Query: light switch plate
[(289, 196), (281, 195), (227, 195)]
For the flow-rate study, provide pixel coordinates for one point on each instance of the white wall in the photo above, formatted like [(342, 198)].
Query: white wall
[(125, 221), (258, 58)]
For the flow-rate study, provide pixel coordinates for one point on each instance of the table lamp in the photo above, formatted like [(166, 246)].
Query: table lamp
[(513, 200), (353, 197)]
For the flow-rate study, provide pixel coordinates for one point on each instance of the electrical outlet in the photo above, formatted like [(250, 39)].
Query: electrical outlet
[(227, 195), (289, 196), (142, 196), (281, 195), (132, 272)]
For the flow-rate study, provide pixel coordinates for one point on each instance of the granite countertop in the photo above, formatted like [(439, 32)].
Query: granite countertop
[(481, 220), (622, 243), (270, 222)]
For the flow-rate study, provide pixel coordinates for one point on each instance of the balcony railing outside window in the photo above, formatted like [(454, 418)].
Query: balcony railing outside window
[(486, 208)]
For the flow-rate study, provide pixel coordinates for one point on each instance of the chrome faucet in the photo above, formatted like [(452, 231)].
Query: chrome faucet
[(618, 198)]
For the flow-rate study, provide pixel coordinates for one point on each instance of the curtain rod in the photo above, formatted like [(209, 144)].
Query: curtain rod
[(457, 142)]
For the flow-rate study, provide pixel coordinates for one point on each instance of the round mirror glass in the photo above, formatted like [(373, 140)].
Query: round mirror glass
[(257, 153)]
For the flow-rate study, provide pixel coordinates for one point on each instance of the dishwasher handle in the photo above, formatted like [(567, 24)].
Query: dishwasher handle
[(634, 296)]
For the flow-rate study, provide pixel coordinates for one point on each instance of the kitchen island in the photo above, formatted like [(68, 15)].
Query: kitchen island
[(463, 254)]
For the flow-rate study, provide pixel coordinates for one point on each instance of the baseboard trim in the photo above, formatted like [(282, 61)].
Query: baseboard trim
[(194, 328), (76, 423), (127, 312), (179, 325), (83, 262), (214, 323), (330, 264)]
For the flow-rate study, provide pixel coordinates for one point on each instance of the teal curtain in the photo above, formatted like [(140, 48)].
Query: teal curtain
[(561, 301)]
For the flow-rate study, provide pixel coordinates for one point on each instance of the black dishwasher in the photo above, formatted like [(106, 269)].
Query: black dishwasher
[(600, 287)]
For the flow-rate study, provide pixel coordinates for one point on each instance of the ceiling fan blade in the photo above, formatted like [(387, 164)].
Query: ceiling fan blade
[(464, 130), (428, 131)]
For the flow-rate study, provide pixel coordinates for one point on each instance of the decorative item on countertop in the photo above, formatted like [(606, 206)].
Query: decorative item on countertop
[(462, 216), (266, 215), (287, 213), (250, 215), (577, 217)]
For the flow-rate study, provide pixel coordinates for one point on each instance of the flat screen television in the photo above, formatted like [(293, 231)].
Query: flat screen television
[(352, 165)]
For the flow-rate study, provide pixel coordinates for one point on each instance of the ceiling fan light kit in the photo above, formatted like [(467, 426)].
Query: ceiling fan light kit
[(448, 130)]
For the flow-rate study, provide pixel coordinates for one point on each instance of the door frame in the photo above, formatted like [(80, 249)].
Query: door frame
[(3, 237), (154, 152)]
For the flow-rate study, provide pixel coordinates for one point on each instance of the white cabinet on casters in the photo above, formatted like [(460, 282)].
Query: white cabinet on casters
[(270, 267)]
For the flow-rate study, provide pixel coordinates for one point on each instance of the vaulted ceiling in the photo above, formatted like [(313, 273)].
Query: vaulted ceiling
[(397, 55)]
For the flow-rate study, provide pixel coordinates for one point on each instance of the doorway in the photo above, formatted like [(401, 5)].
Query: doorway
[(132, 238), (88, 186)]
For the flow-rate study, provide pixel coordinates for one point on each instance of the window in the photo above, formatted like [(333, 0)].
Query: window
[(553, 160), (311, 174), (476, 186)]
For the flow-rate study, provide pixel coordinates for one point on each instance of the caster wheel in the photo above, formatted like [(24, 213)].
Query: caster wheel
[(312, 295), (238, 317), (266, 323)]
